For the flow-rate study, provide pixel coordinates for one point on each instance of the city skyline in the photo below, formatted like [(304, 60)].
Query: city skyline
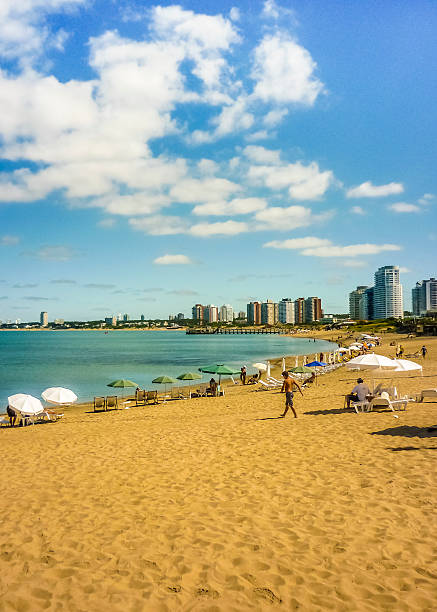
[(168, 153)]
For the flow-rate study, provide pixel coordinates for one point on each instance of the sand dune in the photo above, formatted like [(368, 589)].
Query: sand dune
[(216, 504)]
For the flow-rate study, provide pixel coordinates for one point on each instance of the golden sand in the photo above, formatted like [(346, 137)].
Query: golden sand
[(216, 504)]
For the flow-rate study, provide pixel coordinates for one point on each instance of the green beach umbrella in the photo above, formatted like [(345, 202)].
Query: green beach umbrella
[(220, 369), (164, 380), (301, 370), (122, 383), (189, 376)]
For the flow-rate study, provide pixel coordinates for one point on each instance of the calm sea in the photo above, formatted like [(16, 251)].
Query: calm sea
[(85, 361)]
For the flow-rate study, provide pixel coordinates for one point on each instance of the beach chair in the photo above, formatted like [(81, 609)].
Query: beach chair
[(175, 393), (4, 420), (267, 386), (185, 393), (111, 402), (99, 403), (384, 401), (152, 397), (430, 393), (140, 397)]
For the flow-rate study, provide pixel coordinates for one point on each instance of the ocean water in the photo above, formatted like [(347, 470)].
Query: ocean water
[(85, 361)]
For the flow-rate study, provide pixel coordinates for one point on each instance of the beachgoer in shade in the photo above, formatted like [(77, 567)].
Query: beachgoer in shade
[(424, 351), (243, 373), (213, 387), (12, 414), (359, 393), (287, 386)]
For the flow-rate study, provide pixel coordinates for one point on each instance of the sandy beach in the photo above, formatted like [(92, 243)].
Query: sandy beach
[(215, 504)]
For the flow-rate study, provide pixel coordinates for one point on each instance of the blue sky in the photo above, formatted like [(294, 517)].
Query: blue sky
[(158, 155)]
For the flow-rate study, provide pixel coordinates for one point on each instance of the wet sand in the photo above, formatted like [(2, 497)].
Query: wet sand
[(218, 504)]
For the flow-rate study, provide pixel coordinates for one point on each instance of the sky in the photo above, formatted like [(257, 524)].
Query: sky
[(154, 156)]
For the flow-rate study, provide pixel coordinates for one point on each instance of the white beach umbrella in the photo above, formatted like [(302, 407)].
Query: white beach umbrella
[(405, 365), (371, 361), (260, 366), (26, 404), (59, 395), (341, 349)]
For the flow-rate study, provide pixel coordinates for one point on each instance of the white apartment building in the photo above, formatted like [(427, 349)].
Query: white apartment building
[(286, 311), (226, 313), (210, 313), (387, 295)]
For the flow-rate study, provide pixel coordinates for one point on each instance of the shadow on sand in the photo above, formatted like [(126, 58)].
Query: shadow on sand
[(408, 431), (332, 411), (411, 448)]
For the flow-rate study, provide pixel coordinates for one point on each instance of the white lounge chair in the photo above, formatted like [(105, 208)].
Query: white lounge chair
[(266, 386), (385, 401)]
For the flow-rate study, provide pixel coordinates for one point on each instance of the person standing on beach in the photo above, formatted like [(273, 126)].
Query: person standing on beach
[(424, 351), (287, 386), (243, 375)]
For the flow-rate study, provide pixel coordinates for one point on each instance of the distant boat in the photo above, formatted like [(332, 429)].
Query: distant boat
[(106, 333)]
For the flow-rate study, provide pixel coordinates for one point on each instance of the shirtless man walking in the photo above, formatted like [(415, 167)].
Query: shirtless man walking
[(287, 386)]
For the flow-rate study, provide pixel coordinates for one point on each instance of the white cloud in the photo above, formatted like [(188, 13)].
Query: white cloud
[(8, 240), (228, 228), (404, 270), (207, 166), (284, 72), (260, 155), (368, 190), (357, 210), (209, 189), (403, 207), (166, 260), (160, 225), (275, 116), (234, 13), (320, 247), (303, 182), (23, 28), (53, 253), (141, 203), (286, 218), (298, 243), (353, 250), (259, 135), (238, 206), (426, 199)]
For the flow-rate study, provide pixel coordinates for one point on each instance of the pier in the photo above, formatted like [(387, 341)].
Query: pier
[(233, 330)]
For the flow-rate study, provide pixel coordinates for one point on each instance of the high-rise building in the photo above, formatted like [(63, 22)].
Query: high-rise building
[(269, 312), (354, 302), (365, 310), (226, 313), (424, 296), (44, 319), (111, 320), (313, 309), (210, 313), (126, 318), (387, 295), (180, 316), (254, 313), (197, 312), (142, 318), (286, 311), (299, 310)]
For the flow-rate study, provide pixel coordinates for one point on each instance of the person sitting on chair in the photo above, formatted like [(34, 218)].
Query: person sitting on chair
[(359, 393), (12, 414), (212, 387)]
